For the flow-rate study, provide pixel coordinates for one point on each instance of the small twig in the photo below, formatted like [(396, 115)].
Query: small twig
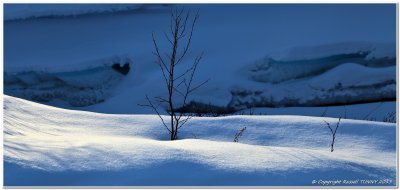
[(333, 132), (151, 105), (239, 134)]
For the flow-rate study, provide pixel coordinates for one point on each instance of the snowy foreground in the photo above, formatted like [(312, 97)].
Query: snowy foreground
[(44, 145)]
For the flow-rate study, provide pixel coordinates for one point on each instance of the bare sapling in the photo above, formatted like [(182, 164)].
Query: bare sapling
[(333, 132), (179, 85)]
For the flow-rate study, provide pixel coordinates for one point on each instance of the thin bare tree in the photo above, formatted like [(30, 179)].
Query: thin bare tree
[(179, 84), (333, 132)]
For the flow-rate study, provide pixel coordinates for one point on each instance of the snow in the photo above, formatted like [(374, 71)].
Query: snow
[(302, 62), (78, 88), (29, 11), (346, 84), (42, 141), (303, 33), (269, 70), (368, 111), (353, 75), (300, 65), (376, 50)]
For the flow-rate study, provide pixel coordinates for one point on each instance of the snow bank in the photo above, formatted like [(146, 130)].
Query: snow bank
[(28, 11), (304, 62), (352, 76), (42, 139), (373, 50), (346, 84), (87, 86)]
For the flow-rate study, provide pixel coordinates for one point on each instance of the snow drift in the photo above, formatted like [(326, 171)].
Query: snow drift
[(42, 142), (346, 84), (301, 62), (87, 86)]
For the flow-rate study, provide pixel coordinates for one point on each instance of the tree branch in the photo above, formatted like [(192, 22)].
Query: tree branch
[(151, 105), (186, 48)]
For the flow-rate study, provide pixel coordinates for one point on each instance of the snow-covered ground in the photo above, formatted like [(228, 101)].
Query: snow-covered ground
[(45, 145), (283, 69), (380, 111)]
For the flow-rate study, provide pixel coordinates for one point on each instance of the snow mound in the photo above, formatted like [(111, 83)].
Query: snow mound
[(354, 75), (40, 137), (29, 11), (348, 83), (87, 86), (310, 61), (374, 51)]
